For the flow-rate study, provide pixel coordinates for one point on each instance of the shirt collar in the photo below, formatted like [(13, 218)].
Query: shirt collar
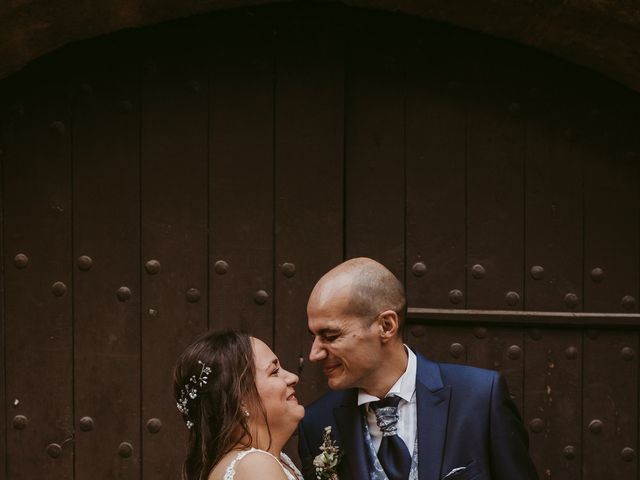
[(404, 387)]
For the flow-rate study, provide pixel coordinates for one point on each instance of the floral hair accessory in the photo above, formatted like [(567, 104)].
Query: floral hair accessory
[(327, 461), (190, 392)]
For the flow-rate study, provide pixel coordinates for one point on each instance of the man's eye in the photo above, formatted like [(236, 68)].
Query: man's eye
[(275, 372), (330, 338)]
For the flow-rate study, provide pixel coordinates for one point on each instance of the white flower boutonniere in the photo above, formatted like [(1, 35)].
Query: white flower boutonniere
[(326, 463)]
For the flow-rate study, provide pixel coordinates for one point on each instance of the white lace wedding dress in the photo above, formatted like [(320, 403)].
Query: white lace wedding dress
[(230, 472)]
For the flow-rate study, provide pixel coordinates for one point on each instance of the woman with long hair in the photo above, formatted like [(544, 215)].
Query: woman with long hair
[(240, 407)]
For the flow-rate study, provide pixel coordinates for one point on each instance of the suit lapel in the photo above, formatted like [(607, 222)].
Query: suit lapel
[(432, 398), (349, 422)]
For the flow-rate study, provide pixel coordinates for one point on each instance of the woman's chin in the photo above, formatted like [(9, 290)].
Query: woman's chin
[(298, 413), (295, 415), (289, 419)]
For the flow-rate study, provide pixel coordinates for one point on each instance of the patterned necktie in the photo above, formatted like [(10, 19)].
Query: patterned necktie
[(393, 454)]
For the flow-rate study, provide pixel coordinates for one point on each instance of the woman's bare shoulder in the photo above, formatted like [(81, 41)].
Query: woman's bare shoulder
[(259, 464), (218, 471)]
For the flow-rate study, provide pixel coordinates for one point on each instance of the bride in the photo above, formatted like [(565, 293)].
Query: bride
[(240, 407)]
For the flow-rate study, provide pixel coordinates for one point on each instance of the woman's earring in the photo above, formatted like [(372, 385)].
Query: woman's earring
[(246, 413)]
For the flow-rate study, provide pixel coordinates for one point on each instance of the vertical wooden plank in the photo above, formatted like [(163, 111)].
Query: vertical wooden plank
[(106, 238), (553, 403), (495, 209), (553, 212), (553, 279), (610, 405), (309, 121), (174, 203), (612, 209), (38, 289), (3, 398), (611, 212), (436, 128), (241, 177), (436, 171), (374, 141)]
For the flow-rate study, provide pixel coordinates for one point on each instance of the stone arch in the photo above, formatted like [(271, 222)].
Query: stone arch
[(604, 36)]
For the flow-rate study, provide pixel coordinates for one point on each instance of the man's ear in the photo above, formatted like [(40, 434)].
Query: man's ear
[(388, 323)]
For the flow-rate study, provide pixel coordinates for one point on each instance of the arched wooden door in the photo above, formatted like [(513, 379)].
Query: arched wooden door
[(205, 173)]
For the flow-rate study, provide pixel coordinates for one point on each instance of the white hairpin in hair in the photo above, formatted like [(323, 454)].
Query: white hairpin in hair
[(190, 392)]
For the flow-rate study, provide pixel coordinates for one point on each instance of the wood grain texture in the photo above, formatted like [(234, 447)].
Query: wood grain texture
[(106, 225)]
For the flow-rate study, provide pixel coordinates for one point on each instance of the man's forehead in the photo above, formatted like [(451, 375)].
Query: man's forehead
[(329, 315), (330, 296)]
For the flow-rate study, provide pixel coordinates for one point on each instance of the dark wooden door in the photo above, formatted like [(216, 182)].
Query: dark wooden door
[(205, 173)]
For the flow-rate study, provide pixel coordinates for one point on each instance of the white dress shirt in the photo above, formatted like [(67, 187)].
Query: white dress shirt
[(405, 388)]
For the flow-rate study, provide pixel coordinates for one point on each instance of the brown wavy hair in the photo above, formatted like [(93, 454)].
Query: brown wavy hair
[(218, 411)]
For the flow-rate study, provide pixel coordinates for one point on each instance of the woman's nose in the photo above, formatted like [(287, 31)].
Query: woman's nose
[(292, 378)]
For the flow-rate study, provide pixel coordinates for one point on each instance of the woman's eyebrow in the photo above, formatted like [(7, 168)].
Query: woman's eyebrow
[(272, 362)]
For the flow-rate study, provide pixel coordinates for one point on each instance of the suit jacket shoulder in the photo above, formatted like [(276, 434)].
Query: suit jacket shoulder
[(452, 372), (464, 378), (461, 378)]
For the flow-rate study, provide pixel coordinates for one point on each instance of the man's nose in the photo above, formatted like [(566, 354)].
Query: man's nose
[(317, 352)]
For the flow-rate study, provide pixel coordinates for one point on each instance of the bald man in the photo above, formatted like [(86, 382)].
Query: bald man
[(394, 414)]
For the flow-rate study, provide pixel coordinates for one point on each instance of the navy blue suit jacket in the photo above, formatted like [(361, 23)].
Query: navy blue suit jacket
[(466, 418)]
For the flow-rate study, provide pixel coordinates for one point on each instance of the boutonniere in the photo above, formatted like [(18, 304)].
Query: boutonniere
[(327, 461)]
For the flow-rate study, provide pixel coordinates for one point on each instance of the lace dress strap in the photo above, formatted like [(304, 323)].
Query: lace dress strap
[(230, 472), (289, 463)]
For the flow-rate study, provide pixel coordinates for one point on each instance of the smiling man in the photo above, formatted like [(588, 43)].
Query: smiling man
[(393, 413)]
